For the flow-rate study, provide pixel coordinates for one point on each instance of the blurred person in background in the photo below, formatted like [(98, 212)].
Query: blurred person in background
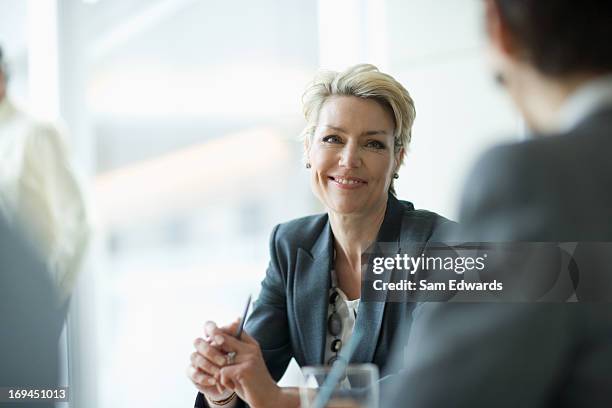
[(39, 190), (554, 58), (358, 129), (30, 319)]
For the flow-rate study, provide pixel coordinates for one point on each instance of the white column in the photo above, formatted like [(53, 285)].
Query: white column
[(42, 58), (82, 318)]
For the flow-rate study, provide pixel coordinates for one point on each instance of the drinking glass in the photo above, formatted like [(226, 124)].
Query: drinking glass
[(357, 388)]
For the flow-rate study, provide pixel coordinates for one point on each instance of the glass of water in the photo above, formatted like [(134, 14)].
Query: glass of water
[(357, 387)]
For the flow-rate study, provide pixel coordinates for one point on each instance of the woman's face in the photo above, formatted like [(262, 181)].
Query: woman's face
[(352, 155)]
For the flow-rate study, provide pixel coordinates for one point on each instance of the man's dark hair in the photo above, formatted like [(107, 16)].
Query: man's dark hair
[(561, 37)]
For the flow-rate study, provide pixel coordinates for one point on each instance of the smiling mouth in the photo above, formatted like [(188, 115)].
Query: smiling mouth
[(348, 181)]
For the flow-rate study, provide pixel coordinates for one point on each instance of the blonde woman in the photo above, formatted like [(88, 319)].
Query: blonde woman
[(358, 128)]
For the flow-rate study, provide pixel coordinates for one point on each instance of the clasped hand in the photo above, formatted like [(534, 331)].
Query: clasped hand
[(217, 377)]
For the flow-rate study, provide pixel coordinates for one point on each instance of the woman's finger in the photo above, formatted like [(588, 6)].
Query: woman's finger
[(228, 380), (209, 352), (209, 328), (203, 364), (190, 372), (229, 343), (248, 339), (227, 329), (231, 328), (199, 378)]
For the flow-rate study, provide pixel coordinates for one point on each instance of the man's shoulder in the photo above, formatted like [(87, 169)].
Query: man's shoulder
[(531, 188), (36, 133), (513, 156), (521, 168), (545, 154)]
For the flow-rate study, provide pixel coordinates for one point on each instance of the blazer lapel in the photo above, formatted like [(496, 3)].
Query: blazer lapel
[(312, 283), (370, 314)]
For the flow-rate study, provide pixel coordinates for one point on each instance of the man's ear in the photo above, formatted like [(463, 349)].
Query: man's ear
[(497, 30)]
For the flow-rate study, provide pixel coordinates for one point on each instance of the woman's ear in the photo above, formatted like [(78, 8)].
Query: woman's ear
[(399, 158), (307, 143)]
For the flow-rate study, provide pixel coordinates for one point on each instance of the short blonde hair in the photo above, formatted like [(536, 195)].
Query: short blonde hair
[(363, 81)]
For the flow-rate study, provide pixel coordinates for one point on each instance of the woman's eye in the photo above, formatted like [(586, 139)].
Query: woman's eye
[(375, 144), (331, 139)]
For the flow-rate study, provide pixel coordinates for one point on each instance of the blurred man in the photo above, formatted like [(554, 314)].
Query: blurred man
[(555, 60), (38, 189), (30, 319)]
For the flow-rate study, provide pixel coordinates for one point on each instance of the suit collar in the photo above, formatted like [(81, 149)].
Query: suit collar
[(313, 282), (370, 315), (597, 120), (592, 97), (391, 228)]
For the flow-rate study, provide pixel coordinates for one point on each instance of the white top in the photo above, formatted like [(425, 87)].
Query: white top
[(38, 189), (347, 310), (586, 100)]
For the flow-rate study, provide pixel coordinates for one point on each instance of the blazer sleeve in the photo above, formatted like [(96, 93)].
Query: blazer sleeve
[(268, 322)]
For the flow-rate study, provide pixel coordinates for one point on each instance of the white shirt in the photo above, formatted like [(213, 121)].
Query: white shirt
[(347, 310), (38, 189), (586, 100)]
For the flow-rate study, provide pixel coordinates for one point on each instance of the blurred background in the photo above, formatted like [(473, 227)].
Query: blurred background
[(182, 118)]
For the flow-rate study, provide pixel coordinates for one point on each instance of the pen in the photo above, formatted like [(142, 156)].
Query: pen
[(232, 354), (244, 315)]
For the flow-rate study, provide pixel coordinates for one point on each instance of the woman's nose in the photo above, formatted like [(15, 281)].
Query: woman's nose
[(350, 156)]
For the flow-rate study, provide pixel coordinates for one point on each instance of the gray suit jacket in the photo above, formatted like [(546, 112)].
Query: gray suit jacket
[(289, 317), (555, 188)]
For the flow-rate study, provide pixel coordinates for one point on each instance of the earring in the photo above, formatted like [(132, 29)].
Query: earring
[(308, 165), (395, 176)]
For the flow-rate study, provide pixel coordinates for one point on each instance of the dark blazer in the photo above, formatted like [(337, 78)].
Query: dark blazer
[(553, 188), (289, 317)]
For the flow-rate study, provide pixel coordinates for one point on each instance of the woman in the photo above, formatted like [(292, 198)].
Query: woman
[(358, 125)]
